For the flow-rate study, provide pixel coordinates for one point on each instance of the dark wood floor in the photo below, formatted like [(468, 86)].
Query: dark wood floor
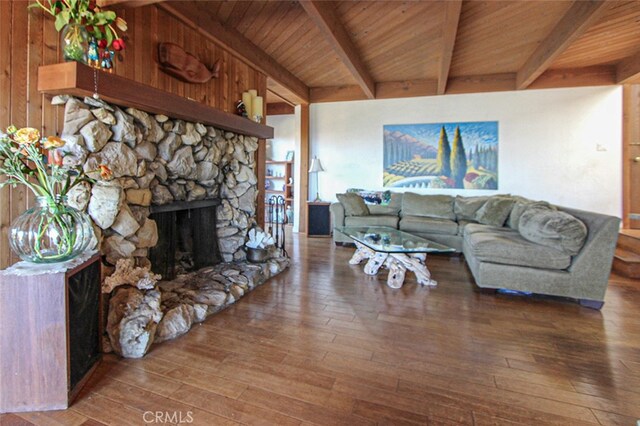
[(325, 344)]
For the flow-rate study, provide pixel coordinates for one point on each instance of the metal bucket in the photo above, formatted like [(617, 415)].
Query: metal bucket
[(257, 255)]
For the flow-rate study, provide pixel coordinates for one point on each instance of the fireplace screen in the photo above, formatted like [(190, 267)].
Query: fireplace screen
[(187, 238)]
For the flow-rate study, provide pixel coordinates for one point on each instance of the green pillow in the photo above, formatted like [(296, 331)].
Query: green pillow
[(553, 228), (438, 206), (467, 207), (520, 206), (353, 204), (495, 211)]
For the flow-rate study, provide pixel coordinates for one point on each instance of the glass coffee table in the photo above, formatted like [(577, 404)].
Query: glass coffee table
[(396, 250)]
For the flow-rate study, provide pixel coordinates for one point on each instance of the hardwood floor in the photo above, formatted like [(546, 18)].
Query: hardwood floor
[(325, 344)]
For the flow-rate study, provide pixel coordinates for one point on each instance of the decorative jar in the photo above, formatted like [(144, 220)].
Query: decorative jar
[(50, 232), (74, 39)]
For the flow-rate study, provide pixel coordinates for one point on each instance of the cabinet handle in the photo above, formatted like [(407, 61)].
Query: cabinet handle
[(636, 160)]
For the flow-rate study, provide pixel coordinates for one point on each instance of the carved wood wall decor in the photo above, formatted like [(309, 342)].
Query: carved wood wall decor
[(183, 65)]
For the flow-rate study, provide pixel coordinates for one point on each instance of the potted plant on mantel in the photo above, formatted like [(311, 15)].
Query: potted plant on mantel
[(80, 20), (52, 231)]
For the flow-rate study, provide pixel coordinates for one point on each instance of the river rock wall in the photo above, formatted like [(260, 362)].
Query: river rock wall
[(156, 160)]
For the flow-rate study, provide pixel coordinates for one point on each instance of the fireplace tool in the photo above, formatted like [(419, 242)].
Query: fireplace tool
[(276, 220)]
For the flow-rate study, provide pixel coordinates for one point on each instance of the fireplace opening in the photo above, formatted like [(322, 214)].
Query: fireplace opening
[(187, 237)]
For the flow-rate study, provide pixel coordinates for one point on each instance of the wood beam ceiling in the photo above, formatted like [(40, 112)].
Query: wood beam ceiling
[(580, 16), (232, 40), (575, 77), (449, 31), (323, 15)]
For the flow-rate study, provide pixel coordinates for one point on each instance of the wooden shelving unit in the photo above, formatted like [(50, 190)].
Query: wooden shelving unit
[(279, 184), (73, 78)]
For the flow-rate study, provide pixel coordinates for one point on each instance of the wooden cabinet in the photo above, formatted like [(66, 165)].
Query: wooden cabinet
[(318, 219), (49, 336), (278, 182)]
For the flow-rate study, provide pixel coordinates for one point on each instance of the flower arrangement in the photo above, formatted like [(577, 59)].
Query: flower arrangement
[(37, 163), (101, 24), (52, 231)]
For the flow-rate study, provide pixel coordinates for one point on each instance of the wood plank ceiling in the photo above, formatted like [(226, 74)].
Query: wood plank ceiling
[(346, 50)]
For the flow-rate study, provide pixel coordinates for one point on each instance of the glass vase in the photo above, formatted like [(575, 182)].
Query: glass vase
[(74, 40), (50, 232)]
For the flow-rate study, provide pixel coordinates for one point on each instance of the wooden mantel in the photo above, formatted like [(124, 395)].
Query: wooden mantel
[(73, 78)]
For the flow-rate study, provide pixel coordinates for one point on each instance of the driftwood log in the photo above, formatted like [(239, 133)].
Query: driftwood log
[(183, 65)]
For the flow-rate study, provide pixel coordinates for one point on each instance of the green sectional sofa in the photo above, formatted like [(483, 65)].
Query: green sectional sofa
[(509, 242)]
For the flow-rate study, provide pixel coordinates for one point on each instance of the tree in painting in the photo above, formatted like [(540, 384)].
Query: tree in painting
[(444, 154), (421, 155), (458, 160)]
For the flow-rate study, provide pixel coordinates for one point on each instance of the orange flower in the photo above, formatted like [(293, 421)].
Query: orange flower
[(52, 142), (27, 136), (105, 172), (54, 157)]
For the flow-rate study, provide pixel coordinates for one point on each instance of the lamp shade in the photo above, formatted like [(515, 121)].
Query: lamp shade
[(316, 166)]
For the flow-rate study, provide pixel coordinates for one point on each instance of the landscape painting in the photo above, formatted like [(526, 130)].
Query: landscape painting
[(441, 155)]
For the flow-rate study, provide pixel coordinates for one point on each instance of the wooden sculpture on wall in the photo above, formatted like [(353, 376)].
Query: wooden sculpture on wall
[(183, 65)]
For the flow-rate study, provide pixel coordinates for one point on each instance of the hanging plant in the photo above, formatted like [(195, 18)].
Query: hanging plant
[(100, 24)]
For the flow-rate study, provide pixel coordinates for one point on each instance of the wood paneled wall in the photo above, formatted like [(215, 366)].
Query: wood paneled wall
[(28, 39)]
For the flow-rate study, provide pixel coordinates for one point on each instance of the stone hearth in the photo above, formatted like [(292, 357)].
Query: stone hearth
[(156, 161)]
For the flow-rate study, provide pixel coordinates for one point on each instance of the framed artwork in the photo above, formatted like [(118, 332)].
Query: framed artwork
[(290, 155), (441, 155)]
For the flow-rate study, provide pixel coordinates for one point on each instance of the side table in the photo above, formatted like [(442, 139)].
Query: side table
[(318, 219), (49, 333)]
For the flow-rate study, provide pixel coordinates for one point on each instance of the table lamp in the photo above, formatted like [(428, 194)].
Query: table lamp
[(316, 167)]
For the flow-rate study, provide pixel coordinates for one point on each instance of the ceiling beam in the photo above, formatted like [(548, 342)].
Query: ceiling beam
[(449, 32), (323, 15), (234, 41), (628, 69), (280, 108), (598, 75), (580, 16)]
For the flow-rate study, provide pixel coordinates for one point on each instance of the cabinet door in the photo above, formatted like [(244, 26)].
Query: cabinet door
[(319, 223), (84, 321)]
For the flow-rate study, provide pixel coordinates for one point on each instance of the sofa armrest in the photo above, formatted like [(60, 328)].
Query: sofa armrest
[(337, 214), (591, 267)]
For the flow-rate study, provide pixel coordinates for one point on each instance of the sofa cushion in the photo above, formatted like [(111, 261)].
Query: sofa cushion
[(429, 225), (466, 208), (396, 200), (372, 220), (378, 209), (438, 206), (495, 211), (552, 228), (353, 204), (473, 228), (509, 248), (462, 223)]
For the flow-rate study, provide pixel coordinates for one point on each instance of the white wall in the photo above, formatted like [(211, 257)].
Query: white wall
[(284, 136), (559, 145)]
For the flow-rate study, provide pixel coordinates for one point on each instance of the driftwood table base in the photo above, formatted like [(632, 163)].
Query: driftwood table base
[(397, 263)]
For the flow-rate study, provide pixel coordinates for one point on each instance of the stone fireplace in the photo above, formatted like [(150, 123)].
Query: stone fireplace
[(157, 161), (182, 199)]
